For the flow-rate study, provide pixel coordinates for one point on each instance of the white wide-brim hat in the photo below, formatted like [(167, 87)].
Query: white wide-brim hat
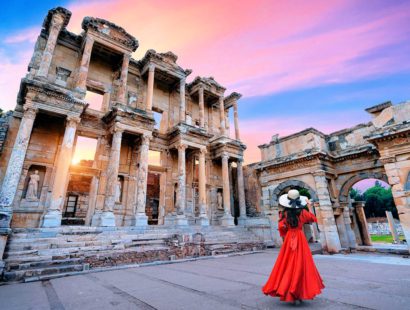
[(286, 199)]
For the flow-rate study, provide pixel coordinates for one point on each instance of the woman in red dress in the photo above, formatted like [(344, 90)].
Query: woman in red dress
[(294, 276)]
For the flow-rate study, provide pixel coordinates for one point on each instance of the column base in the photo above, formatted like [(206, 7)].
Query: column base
[(203, 220), (141, 220), (51, 219), (107, 219), (96, 219), (242, 221), (181, 220), (227, 220)]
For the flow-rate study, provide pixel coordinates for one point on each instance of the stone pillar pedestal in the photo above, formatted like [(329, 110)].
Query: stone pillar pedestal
[(150, 87), (182, 109), (222, 115), (56, 25), (52, 218), (241, 193), (141, 219), (361, 217), (4, 234), (392, 226), (203, 217), (326, 212), (107, 216), (201, 107), (81, 85), (122, 89), (15, 165), (236, 122), (227, 219)]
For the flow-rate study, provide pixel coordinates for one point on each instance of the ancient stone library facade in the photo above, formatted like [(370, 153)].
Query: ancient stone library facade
[(147, 108), (327, 166)]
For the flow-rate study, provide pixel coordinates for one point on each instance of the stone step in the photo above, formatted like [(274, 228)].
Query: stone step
[(44, 264), (18, 275)]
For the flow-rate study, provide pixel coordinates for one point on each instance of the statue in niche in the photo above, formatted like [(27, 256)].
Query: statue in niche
[(118, 190), (32, 188), (219, 201)]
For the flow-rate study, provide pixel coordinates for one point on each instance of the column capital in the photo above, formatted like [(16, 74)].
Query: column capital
[(203, 151), (182, 147), (224, 155), (151, 67), (72, 121), (240, 160), (319, 173), (146, 138), (30, 112)]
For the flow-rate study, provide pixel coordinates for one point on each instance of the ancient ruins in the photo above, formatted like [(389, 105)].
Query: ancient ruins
[(146, 109), (328, 166), (167, 179)]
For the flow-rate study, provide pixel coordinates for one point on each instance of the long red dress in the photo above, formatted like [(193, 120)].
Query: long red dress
[(294, 276)]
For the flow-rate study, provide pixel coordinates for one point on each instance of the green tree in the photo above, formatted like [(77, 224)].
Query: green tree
[(379, 200), (356, 194)]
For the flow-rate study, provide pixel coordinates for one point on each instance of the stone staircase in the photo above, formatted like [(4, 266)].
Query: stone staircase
[(44, 253)]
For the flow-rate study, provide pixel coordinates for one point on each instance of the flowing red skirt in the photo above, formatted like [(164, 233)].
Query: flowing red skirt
[(294, 276)]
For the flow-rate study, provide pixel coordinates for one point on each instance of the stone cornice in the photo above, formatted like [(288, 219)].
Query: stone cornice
[(58, 10), (165, 60), (110, 31), (292, 136), (390, 133)]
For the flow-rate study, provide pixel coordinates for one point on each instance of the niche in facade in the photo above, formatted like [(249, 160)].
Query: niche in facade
[(33, 183), (85, 150)]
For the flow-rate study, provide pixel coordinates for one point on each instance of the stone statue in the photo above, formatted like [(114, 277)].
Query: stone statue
[(118, 190), (32, 189), (219, 200)]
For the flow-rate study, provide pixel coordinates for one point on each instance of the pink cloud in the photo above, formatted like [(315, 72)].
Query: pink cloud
[(26, 35)]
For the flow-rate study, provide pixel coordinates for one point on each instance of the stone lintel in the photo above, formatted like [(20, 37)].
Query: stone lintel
[(379, 107), (230, 100), (164, 63)]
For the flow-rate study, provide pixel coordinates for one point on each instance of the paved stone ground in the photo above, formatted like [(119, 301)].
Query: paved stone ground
[(355, 281)]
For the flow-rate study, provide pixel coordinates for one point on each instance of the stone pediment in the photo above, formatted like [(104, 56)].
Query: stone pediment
[(110, 31), (164, 61)]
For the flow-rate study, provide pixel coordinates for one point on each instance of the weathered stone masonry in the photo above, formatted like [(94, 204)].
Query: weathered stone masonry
[(329, 165)]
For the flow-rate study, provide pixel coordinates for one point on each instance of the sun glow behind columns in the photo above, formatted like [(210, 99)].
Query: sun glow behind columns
[(84, 150)]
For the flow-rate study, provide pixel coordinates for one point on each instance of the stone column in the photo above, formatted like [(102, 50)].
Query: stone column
[(108, 217), (202, 189), (341, 228), (122, 89), (56, 25), (52, 217), (150, 87), (81, 85), (227, 219), (350, 233), (241, 192), (141, 219), (326, 212), (392, 226), (15, 165), (361, 217), (181, 193), (222, 115), (235, 117), (201, 107), (182, 109)]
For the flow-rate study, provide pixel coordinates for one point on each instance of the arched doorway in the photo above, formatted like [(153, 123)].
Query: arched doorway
[(305, 190), (374, 217)]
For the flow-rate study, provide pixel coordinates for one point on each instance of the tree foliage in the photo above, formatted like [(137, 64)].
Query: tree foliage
[(378, 200)]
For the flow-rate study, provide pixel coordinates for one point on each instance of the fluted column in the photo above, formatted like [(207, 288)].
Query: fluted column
[(122, 89), (108, 217), (227, 219), (236, 122), (81, 85), (201, 107), (182, 108), (221, 115), (241, 192), (202, 189), (52, 218), (141, 219), (15, 165), (181, 193), (56, 25), (150, 87)]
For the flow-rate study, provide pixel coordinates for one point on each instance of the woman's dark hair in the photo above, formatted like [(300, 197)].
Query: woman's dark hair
[(292, 216)]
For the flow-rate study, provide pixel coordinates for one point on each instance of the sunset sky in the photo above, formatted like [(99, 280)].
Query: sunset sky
[(298, 64)]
